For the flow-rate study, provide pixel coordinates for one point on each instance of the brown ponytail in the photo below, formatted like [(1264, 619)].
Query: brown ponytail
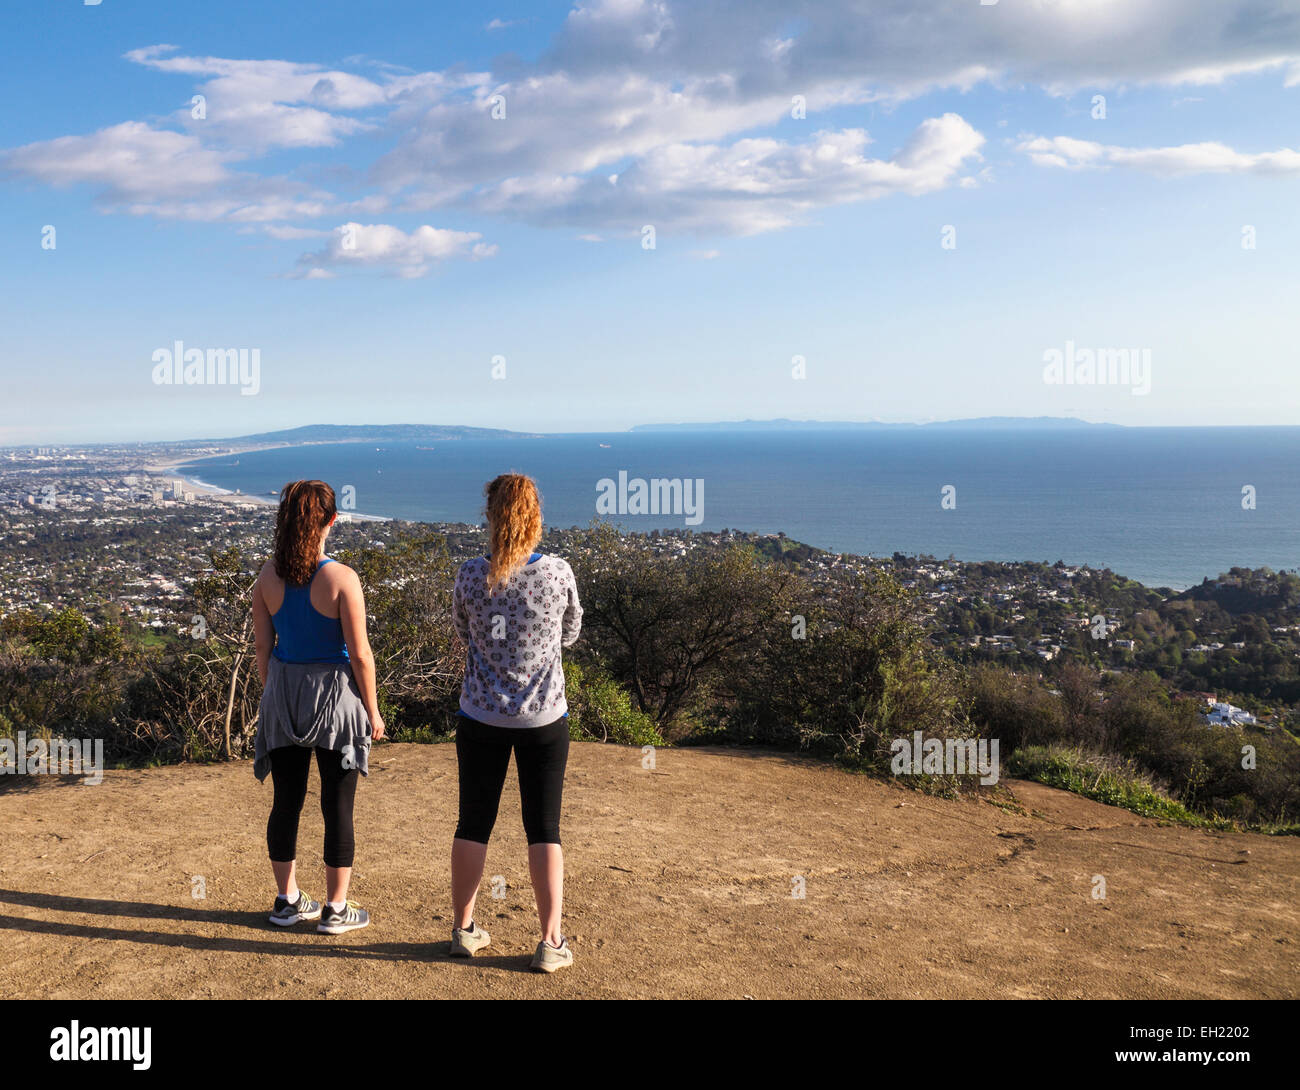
[(514, 515), (306, 508)]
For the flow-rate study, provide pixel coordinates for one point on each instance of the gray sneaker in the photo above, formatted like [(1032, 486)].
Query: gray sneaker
[(549, 958), (466, 943), (335, 921), (286, 913)]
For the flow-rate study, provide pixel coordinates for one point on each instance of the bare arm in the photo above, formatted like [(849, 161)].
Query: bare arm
[(352, 613), (263, 631)]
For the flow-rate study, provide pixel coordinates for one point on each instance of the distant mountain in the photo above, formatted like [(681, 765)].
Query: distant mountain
[(365, 433), (991, 423)]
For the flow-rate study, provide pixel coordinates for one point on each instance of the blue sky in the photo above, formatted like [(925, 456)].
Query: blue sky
[(349, 207)]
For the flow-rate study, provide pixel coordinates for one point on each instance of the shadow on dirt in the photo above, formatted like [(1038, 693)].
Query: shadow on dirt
[(301, 941)]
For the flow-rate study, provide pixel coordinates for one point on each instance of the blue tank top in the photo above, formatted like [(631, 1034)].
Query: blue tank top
[(302, 632)]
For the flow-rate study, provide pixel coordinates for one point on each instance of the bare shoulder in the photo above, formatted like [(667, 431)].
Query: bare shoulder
[(268, 588), (339, 575)]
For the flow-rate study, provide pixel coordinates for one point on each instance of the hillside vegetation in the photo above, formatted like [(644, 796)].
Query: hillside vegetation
[(729, 644)]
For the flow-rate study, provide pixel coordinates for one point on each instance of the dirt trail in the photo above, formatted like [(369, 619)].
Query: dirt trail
[(679, 885)]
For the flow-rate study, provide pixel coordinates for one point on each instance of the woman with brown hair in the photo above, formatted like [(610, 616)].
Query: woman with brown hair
[(515, 609), (318, 678)]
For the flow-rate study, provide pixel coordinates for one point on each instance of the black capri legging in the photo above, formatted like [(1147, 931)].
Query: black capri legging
[(338, 791), (483, 755)]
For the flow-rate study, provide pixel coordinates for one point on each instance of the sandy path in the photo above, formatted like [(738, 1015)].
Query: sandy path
[(679, 885)]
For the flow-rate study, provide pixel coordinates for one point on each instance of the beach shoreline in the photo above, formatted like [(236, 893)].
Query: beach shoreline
[(173, 467), (858, 494)]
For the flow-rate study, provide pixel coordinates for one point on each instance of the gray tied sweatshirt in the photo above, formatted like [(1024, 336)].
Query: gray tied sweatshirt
[(314, 705), (513, 674)]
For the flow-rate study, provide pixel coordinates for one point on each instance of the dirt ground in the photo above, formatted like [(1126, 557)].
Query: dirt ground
[(679, 884)]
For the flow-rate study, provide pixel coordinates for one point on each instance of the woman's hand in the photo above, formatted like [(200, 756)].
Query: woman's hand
[(376, 726)]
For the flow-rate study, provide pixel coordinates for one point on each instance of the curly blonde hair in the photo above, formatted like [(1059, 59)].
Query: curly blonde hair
[(514, 516)]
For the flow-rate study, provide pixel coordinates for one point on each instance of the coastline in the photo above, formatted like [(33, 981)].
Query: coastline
[(1130, 540), (173, 467)]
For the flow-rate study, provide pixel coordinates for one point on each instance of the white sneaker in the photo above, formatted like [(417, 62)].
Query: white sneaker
[(334, 921), (465, 944), (549, 958), (286, 913)]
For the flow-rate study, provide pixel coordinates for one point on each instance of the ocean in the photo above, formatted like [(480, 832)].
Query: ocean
[(1164, 506)]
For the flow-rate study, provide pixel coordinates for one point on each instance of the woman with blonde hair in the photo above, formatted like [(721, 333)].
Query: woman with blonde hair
[(318, 678), (515, 609)]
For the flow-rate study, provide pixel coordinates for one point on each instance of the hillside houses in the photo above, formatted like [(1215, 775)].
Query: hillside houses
[(1229, 715)]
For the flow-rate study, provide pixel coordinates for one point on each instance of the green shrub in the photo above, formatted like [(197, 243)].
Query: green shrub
[(1112, 780), (601, 710), (854, 674), (672, 628), (1013, 707)]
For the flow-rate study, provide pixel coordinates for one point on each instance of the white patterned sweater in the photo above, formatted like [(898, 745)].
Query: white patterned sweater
[(513, 675)]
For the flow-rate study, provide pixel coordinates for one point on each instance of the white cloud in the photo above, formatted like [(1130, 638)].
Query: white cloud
[(654, 111), (141, 170), (130, 162), (286, 233), (556, 124), (909, 45), (1204, 158), (744, 188), (253, 105), (380, 245)]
